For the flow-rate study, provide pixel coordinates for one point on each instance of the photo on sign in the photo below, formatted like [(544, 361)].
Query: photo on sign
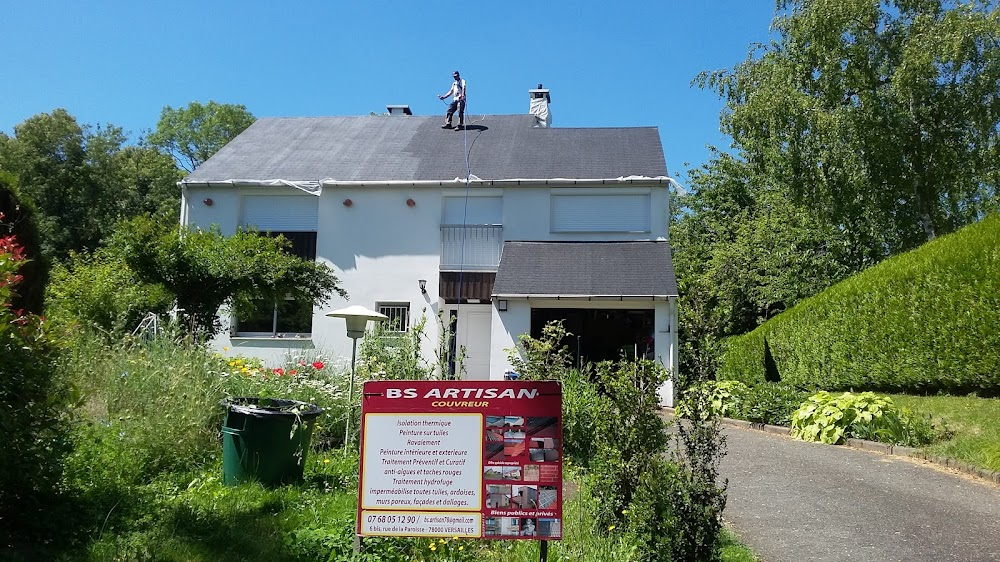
[(548, 527), (543, 427), (531, 473), (524, 497), (509, 526), (494, 421), (511, 473), (528, 527), (494, 451), (513, 434), (547, 496), (543, 449), (494, 436), (498, 496), (513, 421), (492, 473), (513, 449), (491, 526)]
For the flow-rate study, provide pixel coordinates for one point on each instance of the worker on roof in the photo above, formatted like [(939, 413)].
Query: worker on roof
[(457, 93)]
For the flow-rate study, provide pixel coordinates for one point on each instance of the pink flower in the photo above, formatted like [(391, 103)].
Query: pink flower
[(279, 371), (292, 372), (318, 365)]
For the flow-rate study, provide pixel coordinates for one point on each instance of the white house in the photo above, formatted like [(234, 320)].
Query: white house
[(500, 227)]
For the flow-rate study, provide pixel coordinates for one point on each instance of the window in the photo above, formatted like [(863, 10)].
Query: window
[(286, 317), (398, 313)]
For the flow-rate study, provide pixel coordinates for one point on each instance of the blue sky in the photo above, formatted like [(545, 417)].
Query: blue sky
[(626, 63)]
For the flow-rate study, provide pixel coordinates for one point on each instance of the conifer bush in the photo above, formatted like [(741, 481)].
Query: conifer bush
[(921, 322)]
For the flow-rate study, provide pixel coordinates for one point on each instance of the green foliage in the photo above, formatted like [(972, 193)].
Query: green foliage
[(831, 419), (313, 380), (919, 322), (99, 291), (882, 116), (718, 398), (767, 403), (204, 270), (386, 354), (973, 426), (34, 408), (19, 221), (545, 358), (192, 134), (743, 252), (83, 180)]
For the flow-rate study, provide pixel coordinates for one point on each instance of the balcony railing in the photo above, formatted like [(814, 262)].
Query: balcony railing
[(471, 247)]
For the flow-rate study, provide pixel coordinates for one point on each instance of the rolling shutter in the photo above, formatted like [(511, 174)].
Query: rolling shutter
[(288, 213), (600, 213)]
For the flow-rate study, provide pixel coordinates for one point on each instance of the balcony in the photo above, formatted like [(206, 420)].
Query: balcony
[(471, 247)]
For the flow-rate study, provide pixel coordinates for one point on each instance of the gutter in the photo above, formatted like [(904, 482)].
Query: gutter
[(584, 297), (314, 186)]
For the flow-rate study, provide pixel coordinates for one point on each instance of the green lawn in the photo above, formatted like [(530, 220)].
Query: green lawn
[(974, 421), (733, 550)]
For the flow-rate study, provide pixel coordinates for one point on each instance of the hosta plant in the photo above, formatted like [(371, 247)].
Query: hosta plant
[(831, 419), (717, 398)]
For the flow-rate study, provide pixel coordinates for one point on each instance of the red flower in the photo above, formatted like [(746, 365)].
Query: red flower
[(318, 365), (292, 372), (279, 371)]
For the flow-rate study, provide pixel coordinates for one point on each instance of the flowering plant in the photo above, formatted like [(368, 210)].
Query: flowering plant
[(314, 381)]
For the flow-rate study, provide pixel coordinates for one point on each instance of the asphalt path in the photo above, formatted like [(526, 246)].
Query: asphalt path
[(793, 501)]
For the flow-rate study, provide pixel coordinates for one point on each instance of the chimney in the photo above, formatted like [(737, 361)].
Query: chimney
[(539, 107), (399, 110)]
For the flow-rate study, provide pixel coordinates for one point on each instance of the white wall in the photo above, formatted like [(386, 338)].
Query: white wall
[(379, 248)]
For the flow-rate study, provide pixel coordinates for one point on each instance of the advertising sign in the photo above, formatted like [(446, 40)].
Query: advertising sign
[(477, 459)]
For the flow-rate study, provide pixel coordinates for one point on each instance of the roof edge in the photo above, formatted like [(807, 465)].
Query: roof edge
[(582, 297), (457, 182)]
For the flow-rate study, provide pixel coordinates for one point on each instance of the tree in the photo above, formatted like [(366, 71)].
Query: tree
[(881, 117), (744, 252), (194, 133), (82, 180), (205, 270)]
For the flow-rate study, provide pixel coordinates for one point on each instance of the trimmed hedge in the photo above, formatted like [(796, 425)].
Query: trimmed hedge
[(924, 321)]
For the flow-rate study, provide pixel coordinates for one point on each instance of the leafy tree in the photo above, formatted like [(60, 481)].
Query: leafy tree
[(743, 253), (882, 117), (83, 180), (194, 133), (205, 270)]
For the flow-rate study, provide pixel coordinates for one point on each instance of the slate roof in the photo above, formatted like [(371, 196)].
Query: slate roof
[(586, 269), (415, 148)]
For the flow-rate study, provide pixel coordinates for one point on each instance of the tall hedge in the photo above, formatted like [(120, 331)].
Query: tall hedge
[(924, 321)]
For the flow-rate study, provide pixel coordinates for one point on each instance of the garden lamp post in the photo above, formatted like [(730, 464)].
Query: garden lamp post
[(357, 318)]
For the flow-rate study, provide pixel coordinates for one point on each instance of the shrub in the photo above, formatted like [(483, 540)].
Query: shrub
[(100, 292), (719, 398), (769, 403), (920, 322), (831, 419), (34, 408)]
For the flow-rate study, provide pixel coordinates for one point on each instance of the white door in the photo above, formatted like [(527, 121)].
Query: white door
[(474, 326)]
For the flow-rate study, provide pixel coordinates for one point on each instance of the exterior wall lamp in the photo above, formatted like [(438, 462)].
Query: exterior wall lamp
[(502, 305), (423, 286)]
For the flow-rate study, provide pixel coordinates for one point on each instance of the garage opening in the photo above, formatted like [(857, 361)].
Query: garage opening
[(600, 334)]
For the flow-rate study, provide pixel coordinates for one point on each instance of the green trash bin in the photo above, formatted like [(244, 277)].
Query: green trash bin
[(265, 440)]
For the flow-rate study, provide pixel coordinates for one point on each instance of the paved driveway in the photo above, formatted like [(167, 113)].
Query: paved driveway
[(793, 501)]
